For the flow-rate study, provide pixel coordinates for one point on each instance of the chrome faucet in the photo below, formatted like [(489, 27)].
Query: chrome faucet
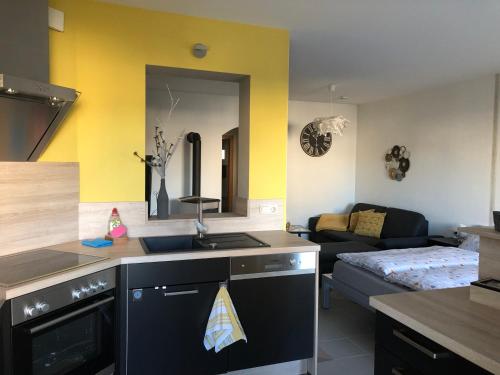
[(201, 229)]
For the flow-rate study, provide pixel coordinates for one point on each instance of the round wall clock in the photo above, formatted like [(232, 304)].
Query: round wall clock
[(313, 142)]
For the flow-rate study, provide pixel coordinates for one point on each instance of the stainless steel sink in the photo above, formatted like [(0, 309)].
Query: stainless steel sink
[(224, 241)]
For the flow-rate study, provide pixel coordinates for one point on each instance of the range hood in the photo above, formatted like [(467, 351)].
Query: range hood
[(31, 109), (30, 113)]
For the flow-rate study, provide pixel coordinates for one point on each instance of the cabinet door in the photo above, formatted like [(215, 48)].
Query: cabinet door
[(166, 328), (277, 314), (418, 351), (388, 364)]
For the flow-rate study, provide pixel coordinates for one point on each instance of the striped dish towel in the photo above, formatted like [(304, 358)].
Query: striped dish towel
[(223, 327)]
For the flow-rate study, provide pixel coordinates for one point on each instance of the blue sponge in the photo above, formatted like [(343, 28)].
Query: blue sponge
[(97, 242)]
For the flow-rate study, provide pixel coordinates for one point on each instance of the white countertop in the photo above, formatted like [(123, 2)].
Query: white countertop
[(132, 252)]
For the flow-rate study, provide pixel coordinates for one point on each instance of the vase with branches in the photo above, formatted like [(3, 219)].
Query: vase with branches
[(163, 151)]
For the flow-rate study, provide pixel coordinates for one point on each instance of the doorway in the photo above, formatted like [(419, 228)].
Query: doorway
[(229, 169)]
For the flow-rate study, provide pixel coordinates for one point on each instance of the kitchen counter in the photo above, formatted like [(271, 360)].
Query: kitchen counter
[(132, 252), (449, 318)]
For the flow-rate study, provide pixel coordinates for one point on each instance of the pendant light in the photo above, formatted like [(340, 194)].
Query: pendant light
[(334, 124)]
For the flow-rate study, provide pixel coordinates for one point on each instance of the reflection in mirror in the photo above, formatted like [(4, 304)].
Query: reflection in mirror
[(210, 108), (229, 169)]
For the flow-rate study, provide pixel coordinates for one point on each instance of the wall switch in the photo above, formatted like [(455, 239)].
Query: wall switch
[(56, 19), (268, 209)]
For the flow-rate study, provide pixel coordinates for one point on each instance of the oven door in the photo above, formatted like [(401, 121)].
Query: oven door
[(75, 340)]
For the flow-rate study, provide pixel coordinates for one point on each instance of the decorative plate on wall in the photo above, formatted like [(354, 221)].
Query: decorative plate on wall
[(397, 162)]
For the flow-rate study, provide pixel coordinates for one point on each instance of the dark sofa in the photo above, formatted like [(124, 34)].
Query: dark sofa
[(402, 229)]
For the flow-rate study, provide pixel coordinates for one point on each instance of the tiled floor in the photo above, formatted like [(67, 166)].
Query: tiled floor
[(346, 338)]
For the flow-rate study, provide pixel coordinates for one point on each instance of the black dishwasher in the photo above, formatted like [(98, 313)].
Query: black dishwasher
[(274, 296), (168, 308)]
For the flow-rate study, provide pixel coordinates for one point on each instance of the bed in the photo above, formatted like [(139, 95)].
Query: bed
[(361, 275)]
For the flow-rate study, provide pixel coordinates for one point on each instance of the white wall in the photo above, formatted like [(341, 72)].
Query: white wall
[(449, 133), (317, 185), (211, 115)]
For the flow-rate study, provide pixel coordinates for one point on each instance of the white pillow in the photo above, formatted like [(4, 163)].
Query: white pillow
[(470, 241)]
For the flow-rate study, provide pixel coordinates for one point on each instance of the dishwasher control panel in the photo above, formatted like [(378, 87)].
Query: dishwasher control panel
[(277, 264)]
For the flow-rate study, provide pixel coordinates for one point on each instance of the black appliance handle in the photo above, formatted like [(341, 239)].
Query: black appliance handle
[(70, 315), (181, 293), (397, 371), (428, 352)]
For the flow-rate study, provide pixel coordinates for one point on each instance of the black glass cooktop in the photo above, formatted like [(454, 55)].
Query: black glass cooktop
[(30, 265)]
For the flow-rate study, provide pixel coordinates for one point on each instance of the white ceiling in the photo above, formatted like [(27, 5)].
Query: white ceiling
[(371, 49)]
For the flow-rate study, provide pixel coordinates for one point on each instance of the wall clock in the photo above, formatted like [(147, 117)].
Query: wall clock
[(313, 142)]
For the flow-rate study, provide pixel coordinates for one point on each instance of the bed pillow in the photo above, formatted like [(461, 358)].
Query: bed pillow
[(332, 222), (370, 224), (469, 241), (353, 221)]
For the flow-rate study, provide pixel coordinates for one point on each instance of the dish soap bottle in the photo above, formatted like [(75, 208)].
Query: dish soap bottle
[(114, 220)]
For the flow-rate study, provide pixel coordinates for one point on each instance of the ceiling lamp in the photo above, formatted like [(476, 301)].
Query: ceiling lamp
[(334, 124)]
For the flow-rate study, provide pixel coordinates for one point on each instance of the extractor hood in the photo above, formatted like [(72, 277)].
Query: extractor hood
[(31, 109), (30, 113)]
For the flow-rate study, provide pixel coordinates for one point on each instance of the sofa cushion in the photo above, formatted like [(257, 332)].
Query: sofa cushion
[(370, 224), (367, 206), (348, 236), (354, 217), (403, 223), (333, 222)]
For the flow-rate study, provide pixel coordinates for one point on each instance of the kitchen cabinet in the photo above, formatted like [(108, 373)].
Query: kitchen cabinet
[(274, 298), (168, 305), (401, 350), (166, 331), (277, 314)]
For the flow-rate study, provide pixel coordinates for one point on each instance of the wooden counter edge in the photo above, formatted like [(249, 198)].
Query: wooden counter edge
[(487, 363)]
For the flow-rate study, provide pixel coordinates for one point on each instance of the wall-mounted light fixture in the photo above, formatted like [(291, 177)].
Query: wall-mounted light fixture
[(200, 50)]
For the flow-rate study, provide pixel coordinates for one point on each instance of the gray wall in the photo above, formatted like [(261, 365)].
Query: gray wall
[(449, 133), (24, 39), (323, 184)]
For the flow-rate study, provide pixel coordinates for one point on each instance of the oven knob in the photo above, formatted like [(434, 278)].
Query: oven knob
[(93, 287), (293, 261), (84, 290), (77, 293), (42, 307), (30, 311), (102, 284)]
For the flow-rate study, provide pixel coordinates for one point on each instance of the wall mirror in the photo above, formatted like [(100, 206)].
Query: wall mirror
[(213, 106)]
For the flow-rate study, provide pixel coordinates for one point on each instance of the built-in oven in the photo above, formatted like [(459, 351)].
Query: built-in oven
[(65, 329)]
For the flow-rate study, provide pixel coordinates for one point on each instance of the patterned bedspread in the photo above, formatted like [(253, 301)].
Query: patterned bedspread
[(436, 278), (434, 267)]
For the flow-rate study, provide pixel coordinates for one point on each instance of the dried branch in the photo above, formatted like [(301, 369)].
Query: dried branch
[(163, 150)]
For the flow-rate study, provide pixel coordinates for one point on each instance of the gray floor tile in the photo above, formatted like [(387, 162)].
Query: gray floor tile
[(346, 334), (341, 348), (358, 365), (365, 342)]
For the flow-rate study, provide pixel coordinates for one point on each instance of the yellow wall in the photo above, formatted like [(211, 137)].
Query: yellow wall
[(103, 53)]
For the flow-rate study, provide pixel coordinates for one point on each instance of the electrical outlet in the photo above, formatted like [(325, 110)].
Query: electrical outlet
[(268, 209)]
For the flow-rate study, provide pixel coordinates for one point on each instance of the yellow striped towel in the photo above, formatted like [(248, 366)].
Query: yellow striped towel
[(223, 327)]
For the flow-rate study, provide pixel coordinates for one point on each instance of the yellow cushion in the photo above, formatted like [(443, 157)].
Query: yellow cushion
[(354, 219), (332, 222), (370, 224)]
